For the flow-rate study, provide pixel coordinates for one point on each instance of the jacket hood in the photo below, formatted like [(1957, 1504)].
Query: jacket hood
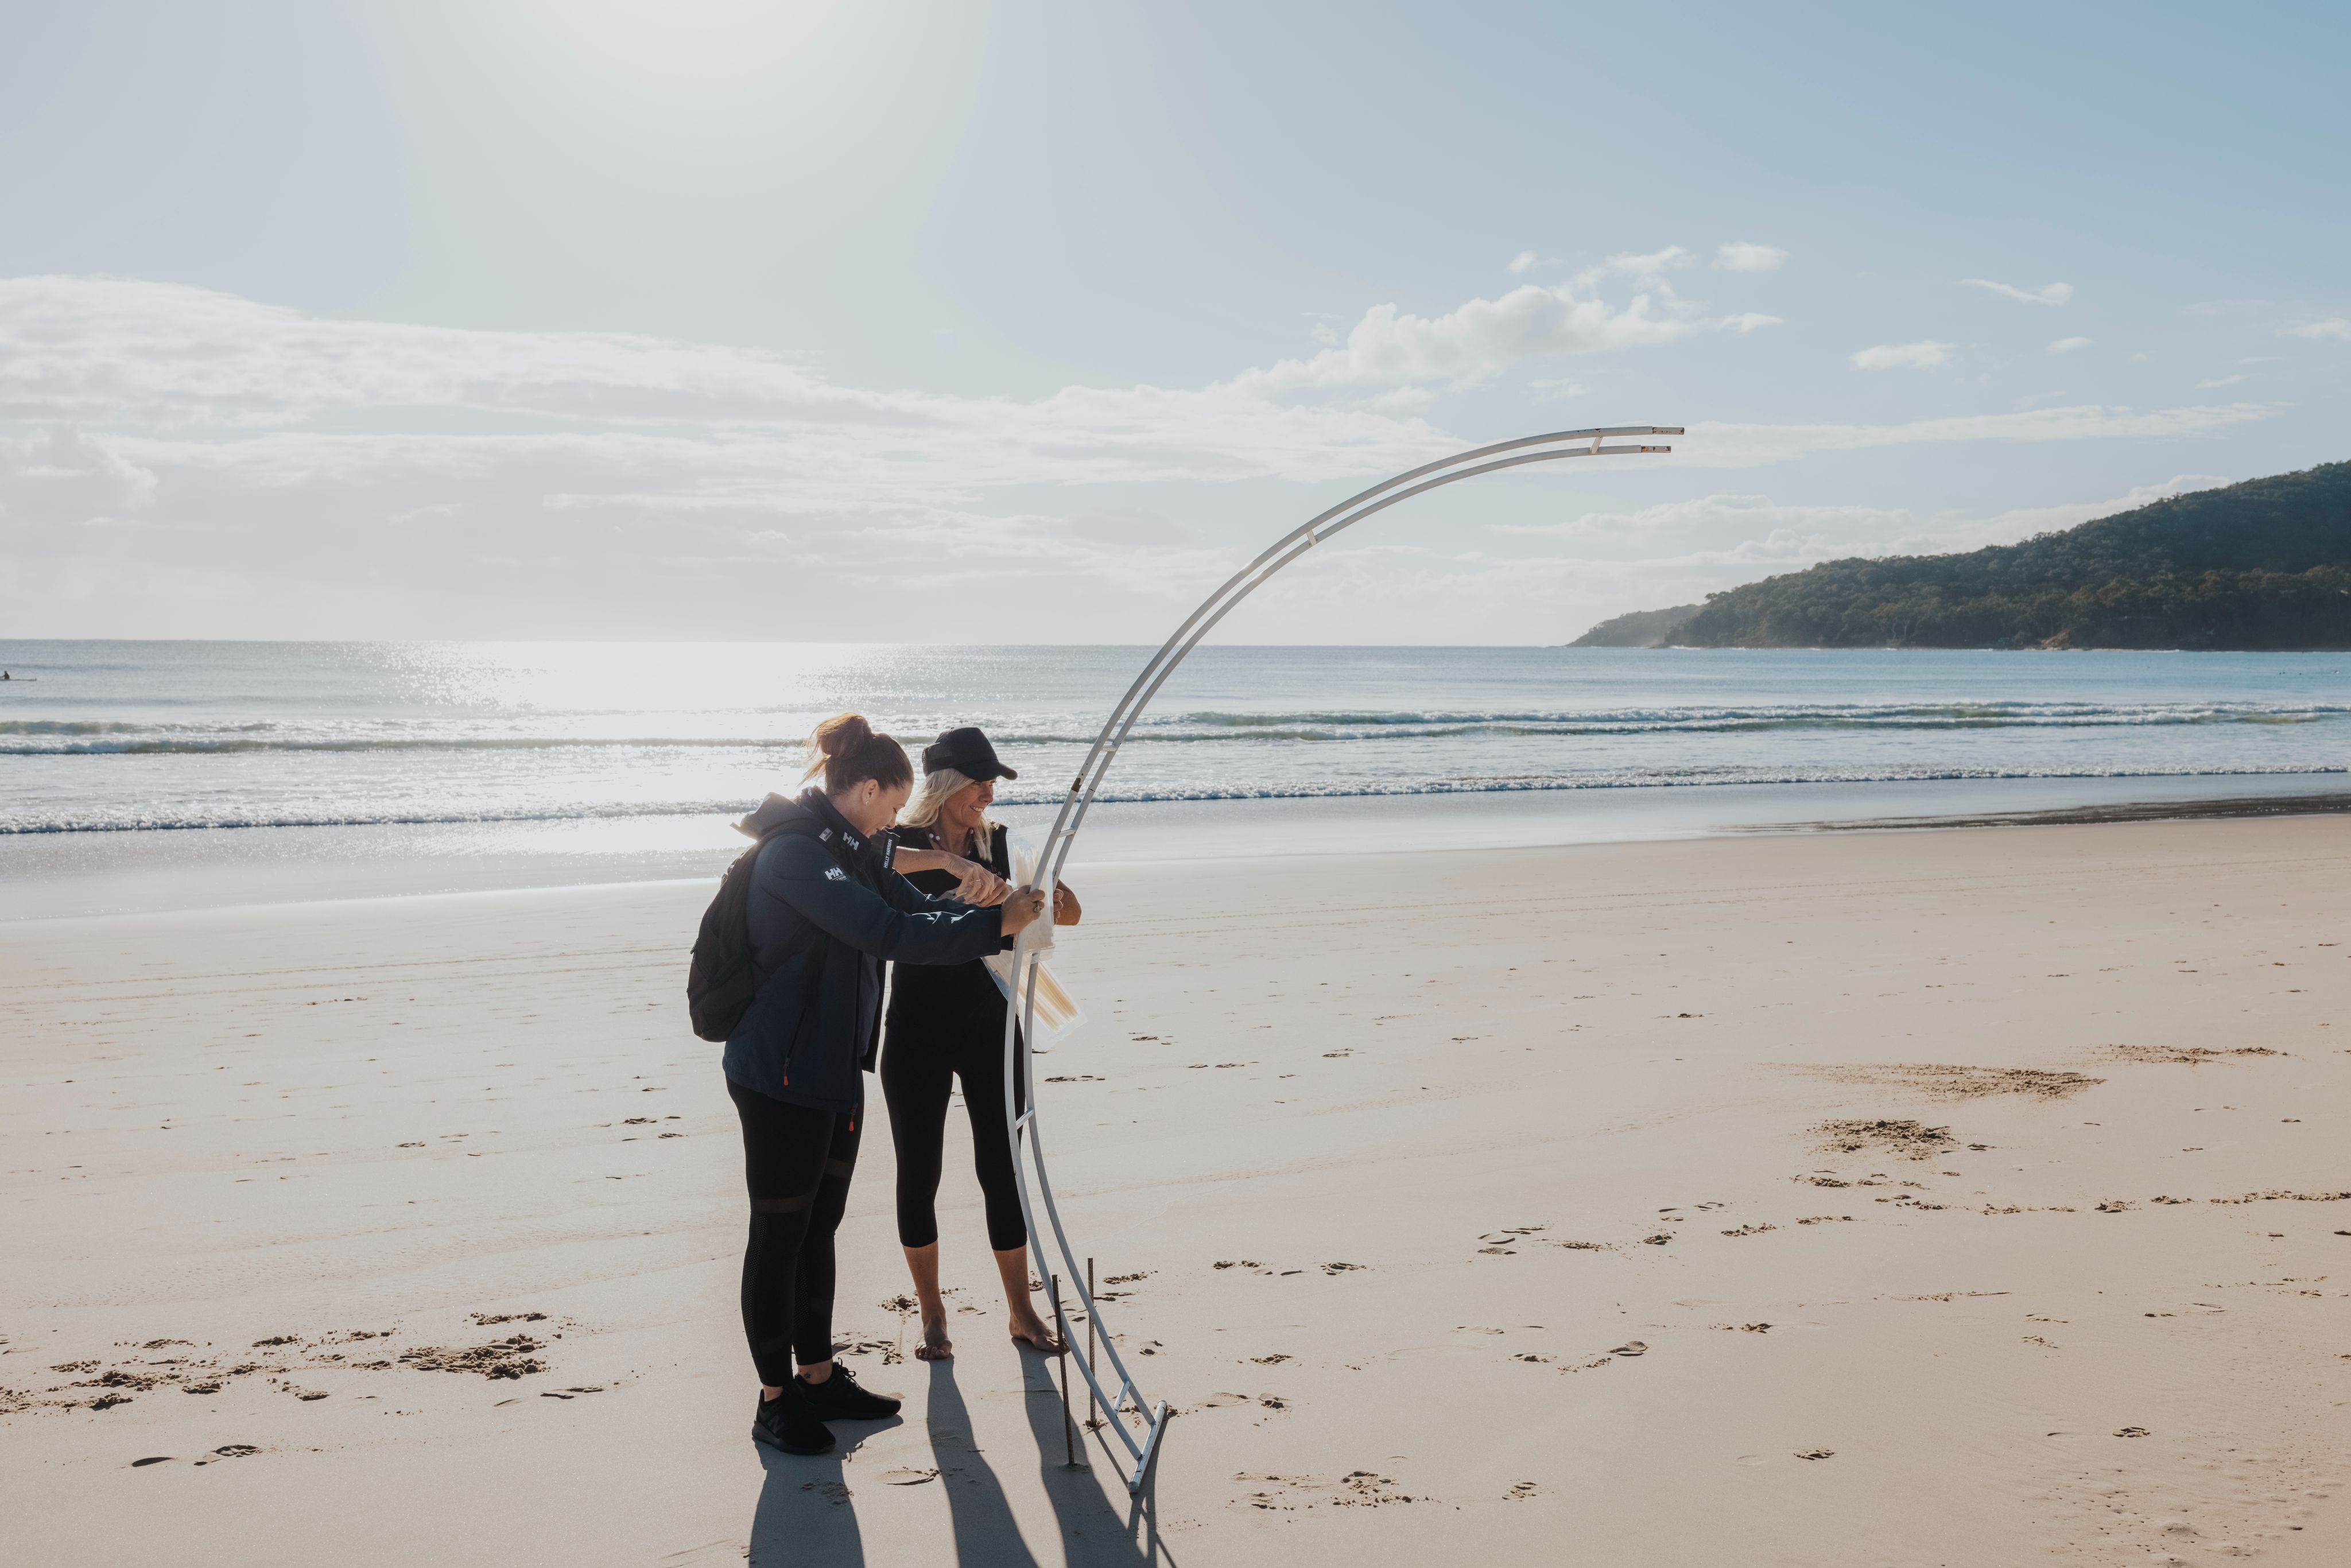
[(776, 812)]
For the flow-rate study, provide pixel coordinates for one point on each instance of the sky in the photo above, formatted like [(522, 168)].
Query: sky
[(984, 322)]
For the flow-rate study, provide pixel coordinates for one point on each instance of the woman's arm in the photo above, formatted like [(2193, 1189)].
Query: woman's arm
[(917, 930), (975, 883)]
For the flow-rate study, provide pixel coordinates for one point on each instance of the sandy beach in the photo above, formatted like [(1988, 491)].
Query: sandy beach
[(1911, 1198)]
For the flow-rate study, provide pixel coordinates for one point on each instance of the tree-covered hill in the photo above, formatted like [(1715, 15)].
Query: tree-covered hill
[(2262, 565)]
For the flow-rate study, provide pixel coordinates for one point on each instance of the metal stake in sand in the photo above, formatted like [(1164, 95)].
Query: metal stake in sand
[(1019, 1019), (1069, 1429), (1093, 1416)]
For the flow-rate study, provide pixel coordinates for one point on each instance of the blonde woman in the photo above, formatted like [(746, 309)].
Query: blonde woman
[(945, 1023)]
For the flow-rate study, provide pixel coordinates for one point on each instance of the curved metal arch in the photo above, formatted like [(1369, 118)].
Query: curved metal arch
[(1021, 1125)]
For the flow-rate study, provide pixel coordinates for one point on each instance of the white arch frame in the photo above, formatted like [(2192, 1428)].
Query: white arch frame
[(1022, 1125)]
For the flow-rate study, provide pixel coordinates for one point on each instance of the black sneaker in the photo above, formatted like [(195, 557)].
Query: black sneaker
[(838, 1398), (787, 1423)]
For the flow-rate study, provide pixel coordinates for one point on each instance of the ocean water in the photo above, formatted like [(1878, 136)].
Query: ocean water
[(278, 750)]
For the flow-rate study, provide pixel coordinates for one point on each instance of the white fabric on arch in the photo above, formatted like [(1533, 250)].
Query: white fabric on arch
[(1058, 1014)]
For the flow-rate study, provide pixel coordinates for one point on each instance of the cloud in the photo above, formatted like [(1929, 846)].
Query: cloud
[(2219, 381), (2047, 293), (1747, 322), (1522, 261), (178, 461), (1715, 444), (1391, 346), (1742, 257), (1649, 266), (2068, 345), (2335, 327), (1924, 356)]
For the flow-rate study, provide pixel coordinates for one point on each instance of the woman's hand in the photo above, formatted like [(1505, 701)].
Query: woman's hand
[(1067, 911), (1022, 909), (975, 883)]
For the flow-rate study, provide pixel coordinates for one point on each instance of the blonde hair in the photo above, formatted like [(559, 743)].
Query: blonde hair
[(939, 785)]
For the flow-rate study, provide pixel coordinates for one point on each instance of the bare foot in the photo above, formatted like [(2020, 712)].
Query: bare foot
[(935, 1345), (1028, 1328)]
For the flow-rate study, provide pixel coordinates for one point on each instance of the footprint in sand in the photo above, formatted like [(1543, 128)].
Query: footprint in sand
[(1288, 1494), (1816, 1454), (229, 1451), (903, 1476), (1630, 1347)]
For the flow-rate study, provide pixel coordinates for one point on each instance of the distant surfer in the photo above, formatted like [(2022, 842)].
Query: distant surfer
[(946, 1023)]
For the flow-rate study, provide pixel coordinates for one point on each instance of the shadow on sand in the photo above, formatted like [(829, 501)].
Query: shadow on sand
[(804, 1516), (807, 1518), (1096, 1532)]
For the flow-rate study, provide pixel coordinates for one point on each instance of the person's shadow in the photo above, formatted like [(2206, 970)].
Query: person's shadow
[(804, 1515)]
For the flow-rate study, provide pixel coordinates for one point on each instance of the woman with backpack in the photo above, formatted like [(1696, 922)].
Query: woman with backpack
[(945, 1023), (824, 909)]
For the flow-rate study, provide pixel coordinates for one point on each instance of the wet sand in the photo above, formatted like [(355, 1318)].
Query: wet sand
[(1921, 1198)]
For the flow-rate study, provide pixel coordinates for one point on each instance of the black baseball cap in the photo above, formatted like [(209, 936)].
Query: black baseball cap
[(966, 751)]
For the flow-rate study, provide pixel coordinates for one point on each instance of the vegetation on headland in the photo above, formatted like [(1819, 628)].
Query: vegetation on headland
[(1640, 628), (2262, 565)]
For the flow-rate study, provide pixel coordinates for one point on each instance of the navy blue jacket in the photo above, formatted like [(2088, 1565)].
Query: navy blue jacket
[(825, 910)]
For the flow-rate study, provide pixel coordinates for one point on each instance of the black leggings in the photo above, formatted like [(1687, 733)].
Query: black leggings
[(917, 1066), (797, 1162)]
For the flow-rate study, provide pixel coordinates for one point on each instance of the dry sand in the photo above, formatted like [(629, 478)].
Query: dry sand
[(1965, 1198)]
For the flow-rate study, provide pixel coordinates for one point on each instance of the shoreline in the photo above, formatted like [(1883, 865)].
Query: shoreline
[(2226, 809), (68, 875)]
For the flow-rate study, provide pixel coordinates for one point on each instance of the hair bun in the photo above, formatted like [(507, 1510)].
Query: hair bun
[(849, 751), (843, 735)]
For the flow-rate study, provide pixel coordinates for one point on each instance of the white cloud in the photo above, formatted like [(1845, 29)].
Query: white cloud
[(1747, 322), (1649, 266), (303, 475), (2219, 381), (1713, 444), (1923, 356), (1390, 347), (2068, 345), (1742, 257), (2335, 327), (2047, 293), (1557, 389), (1522, 261)]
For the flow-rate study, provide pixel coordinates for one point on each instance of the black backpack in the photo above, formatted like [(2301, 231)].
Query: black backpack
[(725, 977)]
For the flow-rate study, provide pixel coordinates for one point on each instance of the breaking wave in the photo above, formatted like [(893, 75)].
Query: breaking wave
[(40, 738)]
